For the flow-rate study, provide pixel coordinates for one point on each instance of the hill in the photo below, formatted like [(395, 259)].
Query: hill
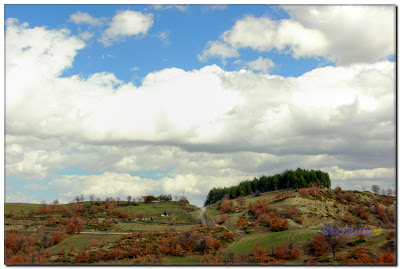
[(277, 227)]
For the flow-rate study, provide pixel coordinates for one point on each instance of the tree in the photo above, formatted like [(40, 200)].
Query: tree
[(91, 198), (129, 199), (335, 239), (375, 189), (118, 200)]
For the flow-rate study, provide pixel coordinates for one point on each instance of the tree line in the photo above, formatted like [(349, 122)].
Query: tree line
[(289, 179)]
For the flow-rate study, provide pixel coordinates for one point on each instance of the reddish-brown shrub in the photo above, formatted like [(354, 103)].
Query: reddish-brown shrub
[(241, 222), (278, 224), (285, 253), (319, 244), (259, 207), (391, 235), (223, 218), (359, 256), (227, 206), (228, 236), (386, 258), (82, 256)]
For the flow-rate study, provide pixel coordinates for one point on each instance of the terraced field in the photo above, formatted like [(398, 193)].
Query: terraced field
[(269, 240), (16, 207), (82, 240)]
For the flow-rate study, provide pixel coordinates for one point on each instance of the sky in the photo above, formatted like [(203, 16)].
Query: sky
[(118, 100)]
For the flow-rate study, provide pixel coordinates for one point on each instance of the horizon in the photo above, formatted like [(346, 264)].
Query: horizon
[(122, 100)]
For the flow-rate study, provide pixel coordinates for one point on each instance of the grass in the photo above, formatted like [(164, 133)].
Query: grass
[(212, 209), (156, 208), (182, 260), (269, 240), (147, 227), (81, 240), (16, 207)]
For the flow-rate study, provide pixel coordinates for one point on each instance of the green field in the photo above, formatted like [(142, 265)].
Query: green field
[(127, 227), (171, 260), (156, 208), (81, 240), (16, 207), (269, 240)]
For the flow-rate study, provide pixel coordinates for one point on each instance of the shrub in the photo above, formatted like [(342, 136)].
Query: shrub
[(391, 235), (278, 224), (82, 256), (319, 245), (241, 222), (386, 258), (227, 206), (285, 253)]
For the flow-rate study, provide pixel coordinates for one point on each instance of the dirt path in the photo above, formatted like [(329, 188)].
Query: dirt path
[(101, 233), (202, 217)]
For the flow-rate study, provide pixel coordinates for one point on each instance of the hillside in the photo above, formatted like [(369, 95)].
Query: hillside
[(278, 227), (307, 212)]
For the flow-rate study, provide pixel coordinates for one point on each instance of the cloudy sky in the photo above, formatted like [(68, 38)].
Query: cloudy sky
[(118, 100)]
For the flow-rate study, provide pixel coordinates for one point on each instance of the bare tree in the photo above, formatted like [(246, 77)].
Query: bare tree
[(390, 192), (118, 199), (91, 198), (56, 202), (375, 189), (82, 198), (77, 199), (335, 238), (129, 199)]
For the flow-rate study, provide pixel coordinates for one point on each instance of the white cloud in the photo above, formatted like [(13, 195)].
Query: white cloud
[(126, 23), (342, 34), (84, 18), (217, 49), (263, 65), (351, 31), (163, 36), (86, 35), (263, 34), (181, 8)]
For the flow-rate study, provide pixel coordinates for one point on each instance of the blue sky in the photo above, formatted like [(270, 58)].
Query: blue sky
[(141, 99), (186, 37)]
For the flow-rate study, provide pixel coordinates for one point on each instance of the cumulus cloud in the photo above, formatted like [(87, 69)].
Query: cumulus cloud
[(351, 31), (263, 34), (209, 127), (125, 24), (263, 65), (342, 34), (84, 18), (217, 49)]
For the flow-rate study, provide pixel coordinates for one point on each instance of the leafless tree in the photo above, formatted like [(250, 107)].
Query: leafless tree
[(129, 199), (91, 197), (336, 239), (82, 198), (375, 189), (77, 199), (390, 192), (118, 199)]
